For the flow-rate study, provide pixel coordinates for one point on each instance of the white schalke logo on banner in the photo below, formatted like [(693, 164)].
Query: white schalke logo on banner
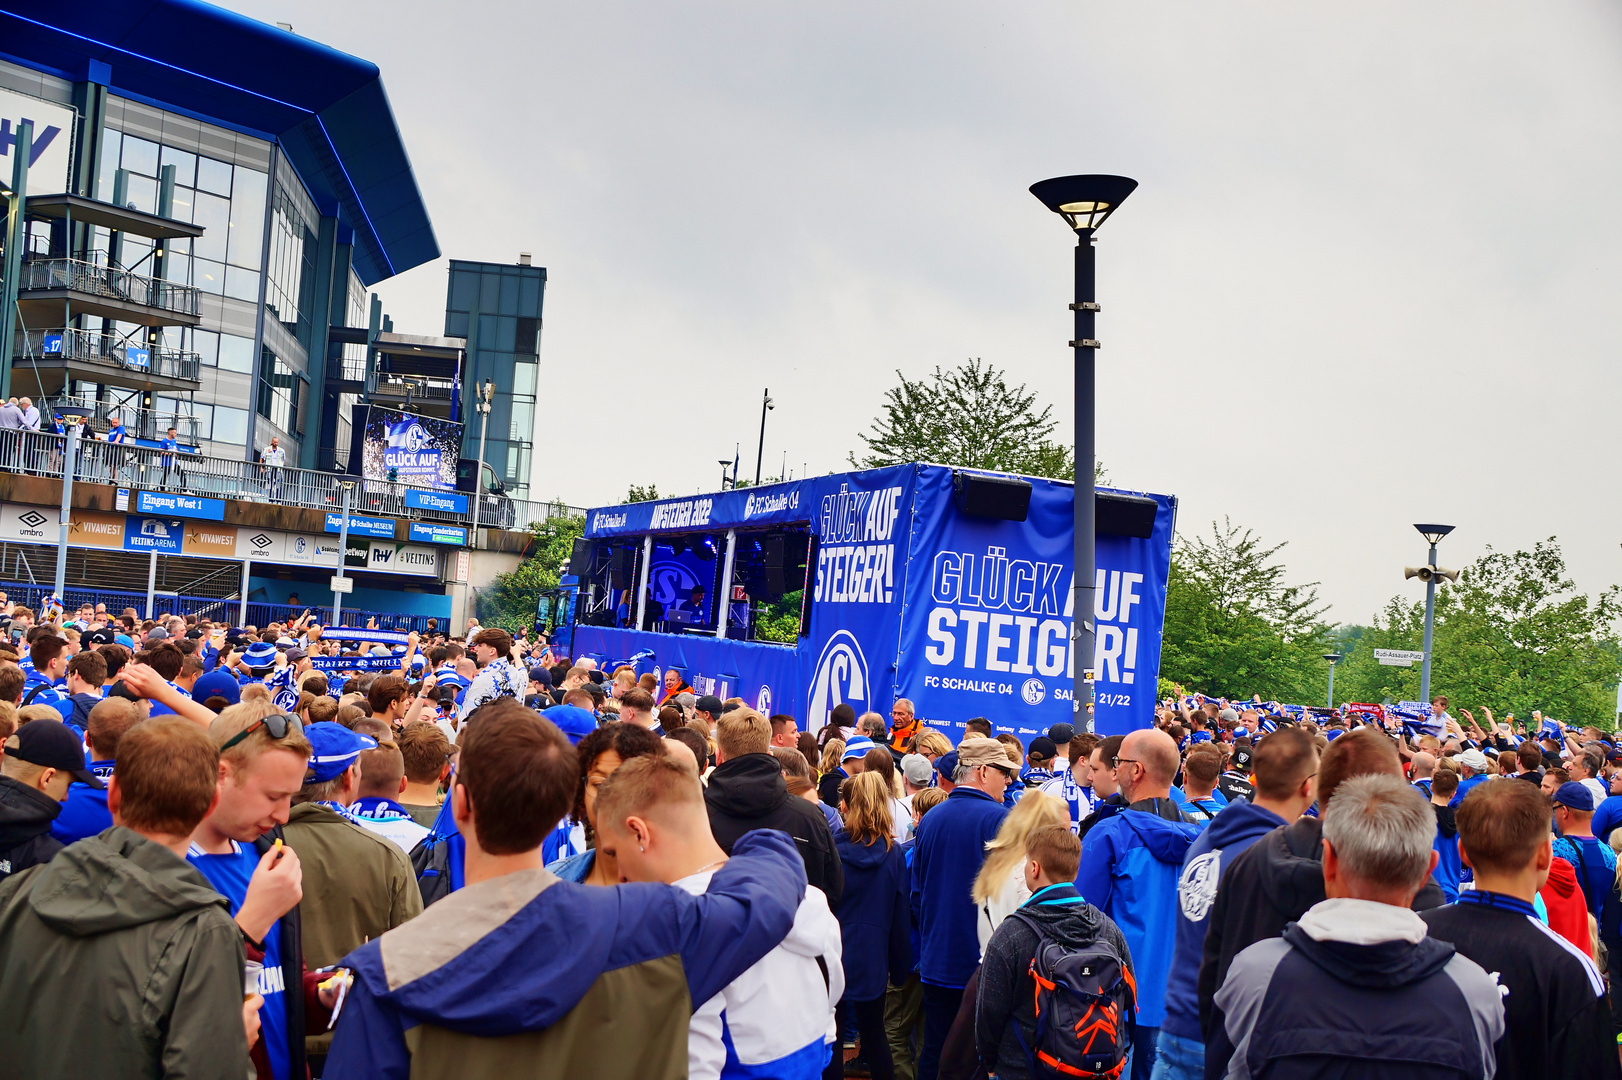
[(1034, 691), (763, 701), (840, 677)]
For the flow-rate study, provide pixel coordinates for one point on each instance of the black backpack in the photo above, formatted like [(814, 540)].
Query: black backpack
[(1086, 1009)]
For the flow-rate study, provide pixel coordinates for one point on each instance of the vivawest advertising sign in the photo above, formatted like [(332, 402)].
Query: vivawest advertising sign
[(909, 597), (416, 451)]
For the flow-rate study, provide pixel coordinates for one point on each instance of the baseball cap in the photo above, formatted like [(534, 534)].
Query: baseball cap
[(1474, 759), (1061, 734), (916, 768), (1042, 746), (296, 653), (157, 633), (711, 704), (974, 752), (124, 640), (1571, 793), (686, 700), (51, 744), (1242, 758), (858, 746), (946, 764), (575, 723), (540, 673), (103, 636), (333, 748), (216, 684), (1228, 714)]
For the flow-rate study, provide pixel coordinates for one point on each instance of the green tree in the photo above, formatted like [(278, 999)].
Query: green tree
[(1513, 635), (638, 493), (511, 599), (1234, 625), (968, 416)]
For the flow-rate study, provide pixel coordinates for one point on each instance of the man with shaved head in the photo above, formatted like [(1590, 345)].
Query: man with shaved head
[(1130, 864)]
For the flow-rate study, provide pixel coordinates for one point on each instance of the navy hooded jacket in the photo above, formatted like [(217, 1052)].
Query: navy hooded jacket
[(1234, 829), (525, 972), (1130, 865), (874, 920), (946, 858)]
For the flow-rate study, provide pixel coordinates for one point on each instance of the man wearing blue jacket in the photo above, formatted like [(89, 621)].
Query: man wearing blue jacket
[(947, 853), (1130, 864), (521, 974), (1285, 768)]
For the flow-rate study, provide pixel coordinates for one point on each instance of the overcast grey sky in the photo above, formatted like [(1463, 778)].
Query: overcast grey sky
[(1370, 276)]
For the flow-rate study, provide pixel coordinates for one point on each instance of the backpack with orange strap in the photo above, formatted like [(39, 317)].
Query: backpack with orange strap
[(1086, 1009)]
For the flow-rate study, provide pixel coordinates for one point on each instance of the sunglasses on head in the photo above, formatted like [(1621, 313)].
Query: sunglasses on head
[(276, 725)]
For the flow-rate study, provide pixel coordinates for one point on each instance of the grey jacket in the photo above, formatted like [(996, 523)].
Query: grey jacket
[(120, 960)]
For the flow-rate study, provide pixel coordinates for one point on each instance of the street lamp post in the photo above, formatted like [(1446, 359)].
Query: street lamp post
[(1433, 534), (766, 403), (1332, 657), (343, 550), (1084, 202), (482, 404)]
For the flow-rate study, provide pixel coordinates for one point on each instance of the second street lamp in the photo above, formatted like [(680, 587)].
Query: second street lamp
[(1429, 573), (1084, 202), (1333, 658)]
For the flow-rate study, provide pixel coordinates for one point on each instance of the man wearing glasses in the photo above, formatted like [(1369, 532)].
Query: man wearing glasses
[(263, 756), (1130, 864)]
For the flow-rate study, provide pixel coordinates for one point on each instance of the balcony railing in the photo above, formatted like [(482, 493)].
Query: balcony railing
[(41, 454), (112, 351), (420, 388), (99, 279), (142, 423)]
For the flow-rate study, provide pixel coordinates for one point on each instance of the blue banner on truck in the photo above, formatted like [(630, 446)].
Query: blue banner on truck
[(909, 597)]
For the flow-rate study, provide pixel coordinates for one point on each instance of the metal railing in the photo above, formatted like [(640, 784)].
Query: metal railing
[(225, 610), (143, 423), (100, 279), (41, 454), (110, 350), (419, 387)]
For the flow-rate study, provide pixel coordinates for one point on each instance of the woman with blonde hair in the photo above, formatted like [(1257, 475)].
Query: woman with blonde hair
[(874, 919), (932, 744), (831, 753), (1000, 888)]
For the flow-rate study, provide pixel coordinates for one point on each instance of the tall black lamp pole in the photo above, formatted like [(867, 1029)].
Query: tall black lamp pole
[(1084, 202)]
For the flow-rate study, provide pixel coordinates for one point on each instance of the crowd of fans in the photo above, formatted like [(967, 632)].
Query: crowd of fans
[(296, 854)]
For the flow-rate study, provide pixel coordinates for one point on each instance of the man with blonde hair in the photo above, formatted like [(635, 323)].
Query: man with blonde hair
[(747, 791), (777, 1017), (263, 753)]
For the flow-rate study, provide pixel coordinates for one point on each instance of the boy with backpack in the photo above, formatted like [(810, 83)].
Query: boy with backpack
[(1057, 992)]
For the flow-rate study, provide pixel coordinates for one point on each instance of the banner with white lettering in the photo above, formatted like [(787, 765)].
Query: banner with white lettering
[(990, 610)]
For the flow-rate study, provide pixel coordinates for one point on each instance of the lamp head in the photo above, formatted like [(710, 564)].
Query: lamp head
[(1332, 657), (1084, 201), (1434, 533)]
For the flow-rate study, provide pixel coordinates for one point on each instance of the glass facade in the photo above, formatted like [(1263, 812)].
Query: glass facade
[(497, 308)]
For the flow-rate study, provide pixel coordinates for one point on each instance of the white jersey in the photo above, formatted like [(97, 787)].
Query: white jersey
[(496, 679), (778, 1015)]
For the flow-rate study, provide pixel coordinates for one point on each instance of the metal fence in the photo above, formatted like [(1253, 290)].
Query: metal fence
[(111, 350), (42, 454), (99, 279)]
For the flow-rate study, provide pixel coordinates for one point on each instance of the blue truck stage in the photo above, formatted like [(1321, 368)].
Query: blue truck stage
[(908, 589)]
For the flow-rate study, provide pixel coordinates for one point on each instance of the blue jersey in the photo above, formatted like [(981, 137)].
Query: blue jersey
[(38, 690), (229, 874)]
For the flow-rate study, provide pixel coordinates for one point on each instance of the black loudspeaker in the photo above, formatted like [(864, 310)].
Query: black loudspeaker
[(1125, 515), (623, 567), (772, 577), (1005, 497), (580, 558), (467, 474)]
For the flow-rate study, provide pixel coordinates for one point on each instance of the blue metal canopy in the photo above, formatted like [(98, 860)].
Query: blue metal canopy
[(328, 109)]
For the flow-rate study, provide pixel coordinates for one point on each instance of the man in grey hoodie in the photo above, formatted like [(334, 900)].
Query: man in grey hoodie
[(121, 959)]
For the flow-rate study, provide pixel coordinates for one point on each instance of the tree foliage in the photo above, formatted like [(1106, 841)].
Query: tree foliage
[(1514, 635), (968, 416), (637, 493), (1234, 625), (511, 599)]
